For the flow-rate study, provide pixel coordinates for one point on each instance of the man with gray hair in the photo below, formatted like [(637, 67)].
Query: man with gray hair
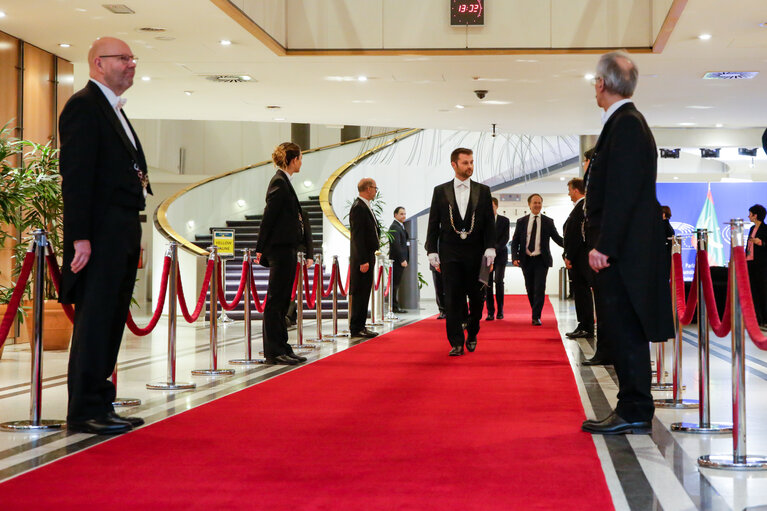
[(625, 238), (364, 241)]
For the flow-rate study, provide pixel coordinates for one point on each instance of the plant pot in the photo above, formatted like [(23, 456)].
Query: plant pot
[(57, 329)]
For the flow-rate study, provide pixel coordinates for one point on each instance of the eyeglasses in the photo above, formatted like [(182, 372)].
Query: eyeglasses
[(125, 59), (373, 187)]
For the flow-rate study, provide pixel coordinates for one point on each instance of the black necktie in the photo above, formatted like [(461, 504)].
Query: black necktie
[(533, 234)]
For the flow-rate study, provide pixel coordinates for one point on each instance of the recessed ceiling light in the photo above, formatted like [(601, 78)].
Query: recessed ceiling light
[(686, 123), (699, 107), (589, 76), (62, 45), (247, 78), (308, 183), (146, 78), (561, 178), (363, 101), (704, 37), (496, 102), (225, 42), (279, 118), (719, 125), (460, 107), (80, 9), (362, 78), (241, 203), (188, 92), (527, 60), (676, 177), (2, 14)]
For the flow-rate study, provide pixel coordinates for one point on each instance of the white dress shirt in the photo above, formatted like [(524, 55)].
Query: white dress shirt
[(531, 219), (610, 111), (117, 103), (462, 192)]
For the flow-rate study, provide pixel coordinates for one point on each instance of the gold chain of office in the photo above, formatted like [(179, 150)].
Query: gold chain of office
[(462, 233)]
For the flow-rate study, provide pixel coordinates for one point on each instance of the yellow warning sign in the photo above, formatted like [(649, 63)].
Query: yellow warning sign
[(223, 239)]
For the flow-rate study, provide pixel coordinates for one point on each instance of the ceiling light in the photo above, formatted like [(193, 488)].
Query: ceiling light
[(730, 75), (496, 102), (80, 9), (308, 183), (279, 118), (225, 42), (2, 14), (247, 78), (188, 92), (676, 177), (363, 101), (241, 203), (362, 78), (460, 107), (527, 60), (118, 9), (719, 125), (589, 76), (699, 107), (146, 78), (686, 123), (190, 225), (763, 25), (561, 178), (62, 45), (704, 37)]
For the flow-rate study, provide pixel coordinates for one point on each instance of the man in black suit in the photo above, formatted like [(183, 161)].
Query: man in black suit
[(577, 261), (364, 241), (530, 250), (624, 230), (461, 231), (398, 253), (104, 185), (499, 268), (284, 232)]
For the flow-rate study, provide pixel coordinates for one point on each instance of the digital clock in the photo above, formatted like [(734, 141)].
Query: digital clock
[(467, 12)]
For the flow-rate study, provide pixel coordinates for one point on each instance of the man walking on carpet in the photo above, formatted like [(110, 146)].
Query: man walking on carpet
[(461, 238), (625, 234)]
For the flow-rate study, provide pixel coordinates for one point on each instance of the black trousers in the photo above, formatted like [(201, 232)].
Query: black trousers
[(499, 272), (397, 272), (757, 276), (360, 285), (282, 272), (460, 279), (604, 348), (439, 288), (581, 286), (630, 353), (102, 298), (535, 269)]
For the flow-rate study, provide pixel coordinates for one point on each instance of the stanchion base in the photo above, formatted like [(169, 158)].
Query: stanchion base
[(223, 318), (377, 323), (673, 403), (339, 336), (324, 339), (213, 372), (171, 386), (305, 346), (246, 361), (662, 386), (391, 317), (126, 401), (691, 427), (29, 426), (729, 461)]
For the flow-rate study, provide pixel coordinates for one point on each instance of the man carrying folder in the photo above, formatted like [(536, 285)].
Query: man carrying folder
[(460, 240)]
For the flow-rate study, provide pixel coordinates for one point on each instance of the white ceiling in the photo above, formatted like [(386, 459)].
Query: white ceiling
[(547, 96)]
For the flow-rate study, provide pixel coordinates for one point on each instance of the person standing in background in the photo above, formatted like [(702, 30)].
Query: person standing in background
[(756, 257), (499, 267), (398, 253), (577, 261), (364, 241)]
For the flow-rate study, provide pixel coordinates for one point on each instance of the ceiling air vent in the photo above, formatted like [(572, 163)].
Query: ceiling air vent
[(119, 9), (230, 78), (730, 75)]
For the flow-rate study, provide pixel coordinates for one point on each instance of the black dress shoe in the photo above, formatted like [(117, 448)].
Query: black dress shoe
[(299, 358), (457, 351), (597, 361), (100, 426), (537, 322), (442, 315), (489, 317), (575, 334), (133, 421), (281, 360), (398, 310), (613, 424), (465, 325), (368, 334), (499, 315), (471, 344)]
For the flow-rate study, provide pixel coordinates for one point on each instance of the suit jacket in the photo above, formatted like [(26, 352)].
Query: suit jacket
[(365, 234), (398, 251), (574, 244), (284, 223), (624, 220), (98, 169), (441, 236), (760, 251), (502, 238), (519, 241)]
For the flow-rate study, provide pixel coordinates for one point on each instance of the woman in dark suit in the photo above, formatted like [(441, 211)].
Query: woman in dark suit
[(756, 255)]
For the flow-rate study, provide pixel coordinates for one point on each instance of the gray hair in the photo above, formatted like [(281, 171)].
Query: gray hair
[(619, 73)]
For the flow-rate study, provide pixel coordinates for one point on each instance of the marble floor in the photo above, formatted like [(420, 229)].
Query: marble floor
[(643, 472)]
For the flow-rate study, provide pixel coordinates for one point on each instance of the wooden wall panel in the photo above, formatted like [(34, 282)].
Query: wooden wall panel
[(9, 78), (65, 83), (38, 94)]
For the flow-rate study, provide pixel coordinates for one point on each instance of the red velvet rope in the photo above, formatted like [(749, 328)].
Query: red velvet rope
[(746, 300), (295, 281), (191, 318), (684, 311), (721, 327), (311, 296), (379, 278), (240, 290), (55, 272), (18, 292), (388, 283), (329, 291), (160, 305), (343, 290), (254, 293)]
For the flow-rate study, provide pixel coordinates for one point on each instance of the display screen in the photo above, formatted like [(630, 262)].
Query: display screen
[(467, 12)]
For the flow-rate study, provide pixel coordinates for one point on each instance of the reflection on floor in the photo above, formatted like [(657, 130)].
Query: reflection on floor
[(657, 472)]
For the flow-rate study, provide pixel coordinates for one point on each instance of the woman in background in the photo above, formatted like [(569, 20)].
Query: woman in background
[(756, 255)]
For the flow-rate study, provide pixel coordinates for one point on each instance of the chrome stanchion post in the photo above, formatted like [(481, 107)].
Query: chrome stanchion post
[(336, 285), (382, 289), (300, 344), (390, 317), (214, 370), (248, 315), (171, 383), (223, 317), (35, 423), (738, 460), (676, 401), (704, 411), (123, 401), (318, 302), (660, 372), (373, 300)]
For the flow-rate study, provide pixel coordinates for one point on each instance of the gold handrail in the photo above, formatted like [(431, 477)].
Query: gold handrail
[(326, 192), (161, 213)]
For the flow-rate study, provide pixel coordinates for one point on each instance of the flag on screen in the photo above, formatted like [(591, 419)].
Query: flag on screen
[(707, 220)]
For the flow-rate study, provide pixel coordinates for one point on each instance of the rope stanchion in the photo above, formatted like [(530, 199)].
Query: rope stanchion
[(311, 295), (123, 401), (676, 400), (374, 319), (18, 293), (739, 459), (390, 316), (300, 344), (747, 302), (704, 425), (721, 327), (686, 309), (318, 295), (381, 298), (344, 289), (35, 422), (216, 298), (335, 285), (254, 293), (170, 280), (164, 283), (222, 292), (194, 316), (660, 372), (249, 287)]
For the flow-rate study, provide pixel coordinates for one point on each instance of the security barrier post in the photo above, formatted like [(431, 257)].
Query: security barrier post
[(123, 401), (373, 300), (214, 370), (248, 315), (300, 344), (336, 284), (390, 317)]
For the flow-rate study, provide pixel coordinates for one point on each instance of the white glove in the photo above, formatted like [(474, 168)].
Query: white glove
[(490, 255), (433, 259)]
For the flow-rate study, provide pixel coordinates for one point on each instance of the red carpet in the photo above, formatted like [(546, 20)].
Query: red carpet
[(391, 424)]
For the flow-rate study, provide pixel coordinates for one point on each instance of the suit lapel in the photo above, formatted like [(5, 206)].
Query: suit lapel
[(111, 116), (451, 200), (473, 197)]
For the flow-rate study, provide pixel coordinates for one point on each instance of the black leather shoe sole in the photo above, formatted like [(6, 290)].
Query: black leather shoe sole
[(596, 362), (634, 428)]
